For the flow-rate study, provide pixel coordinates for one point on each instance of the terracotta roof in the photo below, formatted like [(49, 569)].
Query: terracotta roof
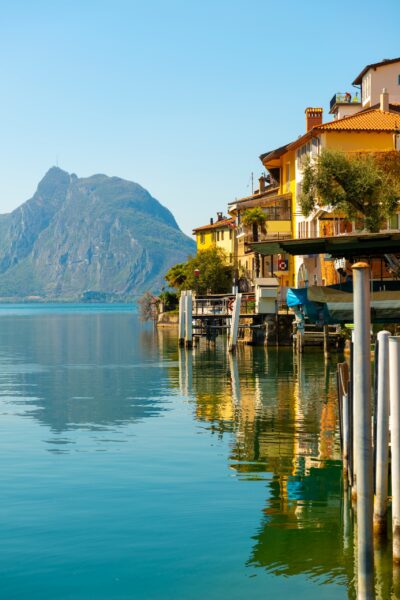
[(369, 120), (216, 225), (387, 61)]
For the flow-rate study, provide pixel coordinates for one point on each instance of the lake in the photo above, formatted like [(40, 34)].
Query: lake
[(134, 470)]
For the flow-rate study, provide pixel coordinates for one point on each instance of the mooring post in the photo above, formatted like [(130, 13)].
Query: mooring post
[(235, 323), (346, 438), (326, 341), (394, 392), (362, 428), (353, 420), (382, 434), (188, 319), (182, 307)]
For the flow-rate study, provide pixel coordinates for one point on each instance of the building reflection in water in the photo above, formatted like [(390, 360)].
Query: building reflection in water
[(282, 412)]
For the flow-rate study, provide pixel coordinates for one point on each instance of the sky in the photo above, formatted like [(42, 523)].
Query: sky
[(179, 96)]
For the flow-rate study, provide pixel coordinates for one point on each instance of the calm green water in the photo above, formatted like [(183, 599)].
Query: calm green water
[(130, 470)]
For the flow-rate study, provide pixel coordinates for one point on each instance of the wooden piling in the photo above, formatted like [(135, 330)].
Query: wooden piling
[(326, 341), (382, 434), (394, 393)]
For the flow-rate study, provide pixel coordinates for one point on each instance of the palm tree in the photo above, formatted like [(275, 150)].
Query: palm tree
[(256, 218)]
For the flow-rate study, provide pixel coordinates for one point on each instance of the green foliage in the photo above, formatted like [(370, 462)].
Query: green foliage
[(176, 276), (170, 300), (359, 186), (253, 216), (215, 276), (256, 218)]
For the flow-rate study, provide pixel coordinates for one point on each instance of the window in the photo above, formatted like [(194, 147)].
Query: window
[(222, 235), (202, 238), (398, 79), (230, 234), (230, 258)]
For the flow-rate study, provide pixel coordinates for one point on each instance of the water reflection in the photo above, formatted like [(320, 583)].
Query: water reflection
[(98, 374), (77, 371), (281, 410)]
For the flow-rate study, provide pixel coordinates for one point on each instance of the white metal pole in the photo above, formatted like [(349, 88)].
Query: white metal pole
[(346, 436), (235, 323), (353, 420), (382, 434), (394, 387), (235, 381), (188, 319), (362, 427), (182, 306)]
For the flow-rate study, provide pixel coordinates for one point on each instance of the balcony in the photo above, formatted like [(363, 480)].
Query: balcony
[(341, 98)]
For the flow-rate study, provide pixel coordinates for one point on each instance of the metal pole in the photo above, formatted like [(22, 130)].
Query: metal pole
[(362, 428), (188, 319), (394, 387), (182, 306), (382, 434), (235, 323), (346, 438), (235, 381)]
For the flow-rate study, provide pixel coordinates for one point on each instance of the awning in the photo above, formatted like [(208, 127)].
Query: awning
[(366, 244)]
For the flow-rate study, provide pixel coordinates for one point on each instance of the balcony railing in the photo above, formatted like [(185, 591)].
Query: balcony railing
[(343, 99)]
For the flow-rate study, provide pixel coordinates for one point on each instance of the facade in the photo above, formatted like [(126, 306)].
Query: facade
[(366, 121), (373, 78), (278, 225), (373, 130), (220, 234)]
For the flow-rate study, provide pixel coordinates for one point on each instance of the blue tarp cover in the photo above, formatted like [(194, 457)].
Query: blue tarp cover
[(296, 296)]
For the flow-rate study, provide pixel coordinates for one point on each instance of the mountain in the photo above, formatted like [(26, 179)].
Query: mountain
[(96, 234)]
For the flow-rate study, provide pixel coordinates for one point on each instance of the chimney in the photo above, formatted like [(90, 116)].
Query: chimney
[(313, 117), (261, 184), (211, 221), (219, 216), (384, 100)]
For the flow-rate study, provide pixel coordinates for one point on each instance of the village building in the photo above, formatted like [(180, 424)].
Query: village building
[(277, 209), (364, 128), (219, 233)]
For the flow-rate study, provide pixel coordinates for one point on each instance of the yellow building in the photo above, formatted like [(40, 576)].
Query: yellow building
[(277, 209), (372, 130), (220, 234)]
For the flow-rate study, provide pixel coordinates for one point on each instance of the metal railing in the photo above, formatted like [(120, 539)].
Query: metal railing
[(221, 305), (342, 99)]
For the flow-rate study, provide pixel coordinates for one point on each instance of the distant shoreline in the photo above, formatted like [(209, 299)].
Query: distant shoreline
[(66, 301)]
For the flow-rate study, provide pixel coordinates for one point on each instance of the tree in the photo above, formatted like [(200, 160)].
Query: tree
[(148, 307), (176, 276), (359, 186), (255, 218), (214, 275)]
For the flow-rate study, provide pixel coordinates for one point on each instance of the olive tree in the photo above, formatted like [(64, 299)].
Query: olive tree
[(361, 185)]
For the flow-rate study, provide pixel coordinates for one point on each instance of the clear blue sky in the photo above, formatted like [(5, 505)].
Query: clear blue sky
[(179, 96)]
